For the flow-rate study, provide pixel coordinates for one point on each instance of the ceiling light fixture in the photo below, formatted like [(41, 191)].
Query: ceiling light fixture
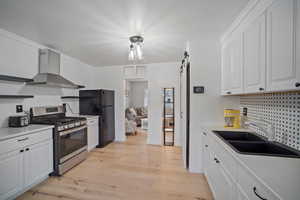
[(135, 48)]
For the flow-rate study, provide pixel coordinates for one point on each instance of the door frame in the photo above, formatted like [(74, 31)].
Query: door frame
[(185, 67)]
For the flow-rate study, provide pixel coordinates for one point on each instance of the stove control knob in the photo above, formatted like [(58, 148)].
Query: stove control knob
[(66, 126)]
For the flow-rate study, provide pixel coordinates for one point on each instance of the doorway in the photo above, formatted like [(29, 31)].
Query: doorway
[(169, 117), (136, 107)]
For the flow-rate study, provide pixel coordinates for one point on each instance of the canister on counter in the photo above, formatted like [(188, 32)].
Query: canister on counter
[(232, 118)]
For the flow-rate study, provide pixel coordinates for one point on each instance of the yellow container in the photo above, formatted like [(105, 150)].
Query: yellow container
[(232, 118)]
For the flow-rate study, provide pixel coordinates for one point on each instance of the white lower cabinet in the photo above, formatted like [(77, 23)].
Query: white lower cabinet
[(228, 178), (224, 187), (30, 163), (11, 173), (241, 195), (93, 133), (253, 188), (38, 162)]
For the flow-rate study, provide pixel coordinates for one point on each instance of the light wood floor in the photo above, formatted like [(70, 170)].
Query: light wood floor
[(126, 171)]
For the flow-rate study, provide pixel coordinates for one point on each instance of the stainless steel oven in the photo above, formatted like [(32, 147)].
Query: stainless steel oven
[(72, 148), (72, 142), (69, 136)]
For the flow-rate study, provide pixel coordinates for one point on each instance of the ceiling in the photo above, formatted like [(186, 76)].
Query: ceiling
[(97, 31)]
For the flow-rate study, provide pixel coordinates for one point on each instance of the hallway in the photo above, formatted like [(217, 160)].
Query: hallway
[(126, 171)]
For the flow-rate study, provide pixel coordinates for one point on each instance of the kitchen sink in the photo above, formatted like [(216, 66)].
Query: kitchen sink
[(263, 148), (250, 143), (240, 136)]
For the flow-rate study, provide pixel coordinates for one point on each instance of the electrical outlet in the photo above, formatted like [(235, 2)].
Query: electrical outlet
[(19, 108)]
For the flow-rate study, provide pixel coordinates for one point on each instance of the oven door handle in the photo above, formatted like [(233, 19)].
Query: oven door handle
[(71, 130)]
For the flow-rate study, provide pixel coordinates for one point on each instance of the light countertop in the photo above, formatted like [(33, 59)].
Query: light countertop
[(86, 116), (279, 173), (7, 133)]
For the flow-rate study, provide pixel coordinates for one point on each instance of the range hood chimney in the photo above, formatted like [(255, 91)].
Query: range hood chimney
[(49, 71)]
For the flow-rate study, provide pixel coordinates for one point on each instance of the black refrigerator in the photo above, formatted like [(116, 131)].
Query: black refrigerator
[(100, 103)]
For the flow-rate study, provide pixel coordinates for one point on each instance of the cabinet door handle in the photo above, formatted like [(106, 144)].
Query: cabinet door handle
[(22, 150), (261, 89), (228, 92), (217, 161), (20, 140), (206, 145), (297, 84), (255, 192), (27, 149), (204, 133)]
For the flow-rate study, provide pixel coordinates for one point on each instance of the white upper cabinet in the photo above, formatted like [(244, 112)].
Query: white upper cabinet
[(282, 73), (232, 70), (226, 69), (297, 53), (236, 67), (268, 58), (254, 46)]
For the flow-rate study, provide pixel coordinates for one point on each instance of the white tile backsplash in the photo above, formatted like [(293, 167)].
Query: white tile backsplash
[(280, 109)]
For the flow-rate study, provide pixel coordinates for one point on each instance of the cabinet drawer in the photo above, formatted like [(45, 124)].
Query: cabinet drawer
[(92, 121), (253, 188), (229, 162), (25, 140)]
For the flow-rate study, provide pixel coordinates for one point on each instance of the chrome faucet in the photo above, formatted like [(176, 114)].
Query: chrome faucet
[(270, 130)]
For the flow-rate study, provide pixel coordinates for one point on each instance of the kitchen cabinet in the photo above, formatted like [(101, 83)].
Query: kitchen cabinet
[(93, 132), (38, 161), (205, 157), (298, 43), (254, 48), (232, 70), (267, 59), (14, 55), (228, 178), (223, 186), (226, 69), (241, 194), (282, 72), (221, 183), (27, 161), (11, 173)]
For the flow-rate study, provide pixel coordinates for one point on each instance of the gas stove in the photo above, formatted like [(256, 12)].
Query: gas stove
[(60, 122), (69, 136)]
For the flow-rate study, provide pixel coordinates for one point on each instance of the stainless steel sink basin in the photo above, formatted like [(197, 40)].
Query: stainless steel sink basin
[(240, 136), (250, 143)]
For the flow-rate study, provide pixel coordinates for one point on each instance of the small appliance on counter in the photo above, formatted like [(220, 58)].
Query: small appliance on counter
[(18, 121), (232, 118)]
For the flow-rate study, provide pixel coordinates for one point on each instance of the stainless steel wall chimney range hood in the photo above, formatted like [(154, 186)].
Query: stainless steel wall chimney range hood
[(49, 71)]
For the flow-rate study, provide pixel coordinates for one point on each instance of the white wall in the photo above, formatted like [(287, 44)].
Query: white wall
[(111, 77), (137, 93), (161, 75), (206, 108), (19, 57)]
